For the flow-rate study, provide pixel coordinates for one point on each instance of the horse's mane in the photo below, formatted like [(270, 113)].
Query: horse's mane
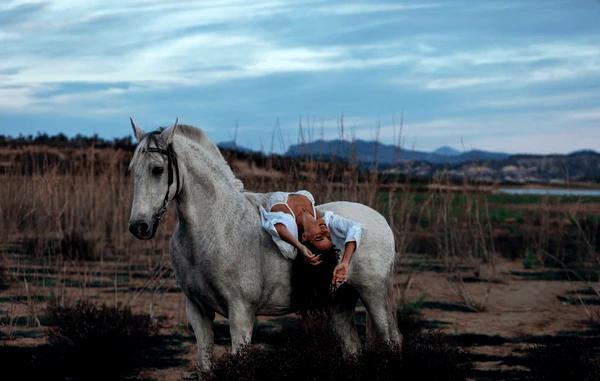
[(198, 136)]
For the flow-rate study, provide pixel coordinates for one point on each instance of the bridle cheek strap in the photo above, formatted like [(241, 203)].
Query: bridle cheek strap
[(172, 170)]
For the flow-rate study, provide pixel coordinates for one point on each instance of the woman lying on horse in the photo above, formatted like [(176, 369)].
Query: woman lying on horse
[(297, 227)]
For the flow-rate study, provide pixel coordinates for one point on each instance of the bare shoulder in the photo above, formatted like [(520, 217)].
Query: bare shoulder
[(300, 202)]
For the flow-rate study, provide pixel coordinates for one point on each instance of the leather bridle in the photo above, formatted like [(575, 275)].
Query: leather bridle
[(172, 169)]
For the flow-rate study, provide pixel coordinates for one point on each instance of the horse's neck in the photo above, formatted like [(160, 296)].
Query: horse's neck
[(209, 204)]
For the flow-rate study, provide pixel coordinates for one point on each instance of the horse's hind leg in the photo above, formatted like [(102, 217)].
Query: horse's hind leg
[(343, 320), (202, 323)]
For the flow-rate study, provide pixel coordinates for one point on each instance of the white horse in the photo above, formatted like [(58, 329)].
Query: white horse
[(226, 263)]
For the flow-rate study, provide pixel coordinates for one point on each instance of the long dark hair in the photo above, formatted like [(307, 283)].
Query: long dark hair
[(311, 285)]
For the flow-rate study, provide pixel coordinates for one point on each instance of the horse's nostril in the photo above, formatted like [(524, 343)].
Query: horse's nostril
[(144, 228), (133, 228), (139, 229)]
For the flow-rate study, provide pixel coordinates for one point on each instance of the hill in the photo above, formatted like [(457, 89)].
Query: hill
[(28, 154), (369, 152), (581, 166)]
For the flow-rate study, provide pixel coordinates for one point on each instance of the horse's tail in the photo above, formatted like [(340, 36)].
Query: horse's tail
[(393, 298), (392, 291)]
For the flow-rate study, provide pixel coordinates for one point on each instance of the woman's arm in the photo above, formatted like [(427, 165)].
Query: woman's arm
[(349, 251), (287, 237), (351, 233), (340, 273)]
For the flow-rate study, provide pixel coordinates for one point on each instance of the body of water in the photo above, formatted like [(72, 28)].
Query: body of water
[(550, 192)]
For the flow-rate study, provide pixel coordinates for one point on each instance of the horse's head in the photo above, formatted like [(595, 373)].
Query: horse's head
[(155, 179)]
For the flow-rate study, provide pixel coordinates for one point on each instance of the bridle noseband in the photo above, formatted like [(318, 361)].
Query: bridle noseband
[(171, 163)]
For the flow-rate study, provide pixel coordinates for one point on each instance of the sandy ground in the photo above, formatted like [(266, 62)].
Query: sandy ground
[(518, 311)]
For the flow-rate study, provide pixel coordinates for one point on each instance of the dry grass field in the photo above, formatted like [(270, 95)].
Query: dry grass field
[(490, 286)]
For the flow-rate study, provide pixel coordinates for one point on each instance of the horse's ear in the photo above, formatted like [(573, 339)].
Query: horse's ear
[(167, 135), (138, 132)]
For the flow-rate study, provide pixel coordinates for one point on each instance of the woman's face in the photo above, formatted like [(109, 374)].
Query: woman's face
[(316, 232)]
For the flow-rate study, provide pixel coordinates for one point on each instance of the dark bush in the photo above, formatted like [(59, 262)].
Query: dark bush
[(85, 324), (293, 350), (75, 246), (99, 341), (71, 246), (573, 359), (433, 356), (4, 283), (317, 356), (410, 318)]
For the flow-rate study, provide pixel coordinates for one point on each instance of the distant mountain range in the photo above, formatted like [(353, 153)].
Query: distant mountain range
[(474, 165), (447, 151), (580, 166), (367, 152)]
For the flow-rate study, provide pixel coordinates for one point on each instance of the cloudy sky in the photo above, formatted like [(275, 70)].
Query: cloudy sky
[(515, 76)]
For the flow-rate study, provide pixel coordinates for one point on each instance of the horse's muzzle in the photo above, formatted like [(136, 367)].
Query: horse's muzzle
[(141, 229)]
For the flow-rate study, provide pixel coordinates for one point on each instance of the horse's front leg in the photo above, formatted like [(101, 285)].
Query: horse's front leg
[(201, 320), (241, 323)]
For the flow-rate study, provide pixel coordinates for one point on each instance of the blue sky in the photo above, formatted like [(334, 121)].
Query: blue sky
[(515, 76)]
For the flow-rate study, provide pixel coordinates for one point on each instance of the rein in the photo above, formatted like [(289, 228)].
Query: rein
[(171, 163)]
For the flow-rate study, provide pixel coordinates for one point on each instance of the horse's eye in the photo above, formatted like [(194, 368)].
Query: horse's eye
[(157, 171)]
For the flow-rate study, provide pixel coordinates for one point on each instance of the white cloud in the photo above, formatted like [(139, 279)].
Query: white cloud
[(462, 82), (152, 45), (13, 4), (362, 8), (546, 143), (585, 115), (563, 98), (534, 132), (509, 67), (15, 97), (546, 99)]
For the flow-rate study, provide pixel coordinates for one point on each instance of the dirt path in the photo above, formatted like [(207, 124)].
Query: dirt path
[(520, 311)]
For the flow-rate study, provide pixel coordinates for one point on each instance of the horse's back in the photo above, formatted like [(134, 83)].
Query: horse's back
[(257, 199)]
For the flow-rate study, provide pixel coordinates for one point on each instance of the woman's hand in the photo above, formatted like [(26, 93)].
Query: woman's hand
[(308, 256), (340, 274)]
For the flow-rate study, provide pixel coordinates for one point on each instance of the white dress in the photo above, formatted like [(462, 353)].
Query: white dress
[(342, 229)]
